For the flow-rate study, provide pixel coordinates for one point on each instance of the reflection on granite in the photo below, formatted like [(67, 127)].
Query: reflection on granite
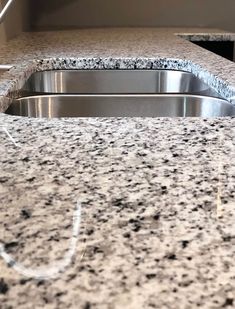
[(157, 227), (51, 271)]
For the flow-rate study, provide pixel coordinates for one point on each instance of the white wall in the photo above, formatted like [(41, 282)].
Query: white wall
[(54, 14)]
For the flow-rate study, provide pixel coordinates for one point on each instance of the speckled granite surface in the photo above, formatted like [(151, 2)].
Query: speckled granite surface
[(157, 195), (150, 48)]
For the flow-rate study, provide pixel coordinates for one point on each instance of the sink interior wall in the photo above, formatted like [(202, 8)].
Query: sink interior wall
[(115, 81), (118, 93)]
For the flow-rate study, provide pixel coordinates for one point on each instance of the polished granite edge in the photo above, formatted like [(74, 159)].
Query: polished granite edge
[(216, 83), (4, 103), (160, 48), (207, 36)]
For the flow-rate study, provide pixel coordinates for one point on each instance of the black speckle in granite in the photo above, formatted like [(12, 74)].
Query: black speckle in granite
[(53, 238), (227, 238), (185, 283), (87, 305), (171, 256), (10, 245), (92, 271), (49, 201), (126, 235), (228, 302), (132, 220), (40, 283), (46, 300), (25, 214), (137, 227), (97, 249), (4, 288), (3, 179), (165, 161), (24, 281), (90, 231), (150, 276), (164, 190), (26, 159), (184, 243), (59, 294), (31, 179), (118, 202), (80, 269), (156, 217)]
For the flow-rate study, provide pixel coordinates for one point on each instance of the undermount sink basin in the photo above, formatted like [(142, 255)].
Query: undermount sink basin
[(120, 106), (117, 93), (115, 82)]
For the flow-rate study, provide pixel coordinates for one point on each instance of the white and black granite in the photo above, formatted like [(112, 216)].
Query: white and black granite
[(157, 195), (137, 48), (206, 34)]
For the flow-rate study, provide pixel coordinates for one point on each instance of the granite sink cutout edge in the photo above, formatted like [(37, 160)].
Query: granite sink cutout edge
[(14, 79)]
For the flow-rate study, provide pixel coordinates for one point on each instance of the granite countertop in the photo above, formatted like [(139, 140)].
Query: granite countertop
[(157, 195)]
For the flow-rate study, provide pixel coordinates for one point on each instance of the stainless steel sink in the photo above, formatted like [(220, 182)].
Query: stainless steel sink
[(117, 93), (115, 82), (141, 105)]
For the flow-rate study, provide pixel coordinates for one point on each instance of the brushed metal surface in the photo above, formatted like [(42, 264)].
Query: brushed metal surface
[(158, 105), (115, 82)]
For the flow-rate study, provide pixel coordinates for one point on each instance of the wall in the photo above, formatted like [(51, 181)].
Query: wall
[(57, 14), (16, 20)]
